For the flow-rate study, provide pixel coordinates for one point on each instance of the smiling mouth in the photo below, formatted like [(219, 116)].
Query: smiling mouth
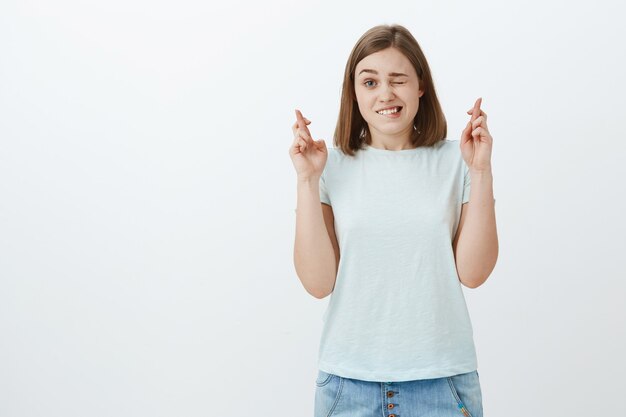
[(393, 110)]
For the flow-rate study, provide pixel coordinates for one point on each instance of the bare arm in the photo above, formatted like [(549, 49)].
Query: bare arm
[(476, 243), (315, 254)]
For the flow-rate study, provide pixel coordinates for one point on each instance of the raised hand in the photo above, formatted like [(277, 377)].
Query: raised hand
[(308, 156), (476, 141)]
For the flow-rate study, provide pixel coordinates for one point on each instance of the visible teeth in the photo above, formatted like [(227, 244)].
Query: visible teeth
[(391, 111)]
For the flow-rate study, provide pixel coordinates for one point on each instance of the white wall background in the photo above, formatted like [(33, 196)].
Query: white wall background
[(147, 196)]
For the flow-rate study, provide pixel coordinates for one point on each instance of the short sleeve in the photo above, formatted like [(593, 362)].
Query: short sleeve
[(466, 183), (324, 198)]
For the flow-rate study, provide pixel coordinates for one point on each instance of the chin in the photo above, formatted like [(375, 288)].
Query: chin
[(392, 129)]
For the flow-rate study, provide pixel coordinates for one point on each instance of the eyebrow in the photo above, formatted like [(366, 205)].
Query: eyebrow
[(391, 74)]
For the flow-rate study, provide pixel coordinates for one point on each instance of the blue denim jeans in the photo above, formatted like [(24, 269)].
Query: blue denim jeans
[(452, 396)]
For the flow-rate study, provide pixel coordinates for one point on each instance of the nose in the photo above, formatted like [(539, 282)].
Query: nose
[(387, 93)]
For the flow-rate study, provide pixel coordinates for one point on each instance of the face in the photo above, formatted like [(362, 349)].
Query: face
[(387, 79)]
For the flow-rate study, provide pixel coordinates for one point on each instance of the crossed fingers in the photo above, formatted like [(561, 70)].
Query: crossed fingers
[(479, 117)]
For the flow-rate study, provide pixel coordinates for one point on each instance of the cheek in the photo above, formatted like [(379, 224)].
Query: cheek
[(364, 102), (362, 98)]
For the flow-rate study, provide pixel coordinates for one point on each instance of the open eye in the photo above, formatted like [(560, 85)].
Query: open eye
[(368, 81)]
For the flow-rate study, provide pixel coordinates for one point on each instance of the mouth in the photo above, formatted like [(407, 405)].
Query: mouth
[(390, 111)]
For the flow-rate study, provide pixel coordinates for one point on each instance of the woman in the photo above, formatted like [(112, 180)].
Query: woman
[(396, 234)]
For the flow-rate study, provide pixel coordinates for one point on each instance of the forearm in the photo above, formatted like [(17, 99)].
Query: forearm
[(477, 247), (314, 256)]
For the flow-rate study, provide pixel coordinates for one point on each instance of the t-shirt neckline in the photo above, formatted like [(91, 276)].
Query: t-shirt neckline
[(370, 148)]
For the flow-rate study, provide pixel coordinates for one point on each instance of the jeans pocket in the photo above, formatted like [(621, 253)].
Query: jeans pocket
[(323, 378), (465, 389), (327, 394)]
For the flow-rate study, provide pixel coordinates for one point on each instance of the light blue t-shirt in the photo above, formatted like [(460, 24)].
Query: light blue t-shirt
[(397, 311)]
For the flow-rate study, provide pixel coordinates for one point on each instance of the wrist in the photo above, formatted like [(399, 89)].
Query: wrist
[(308, 179), (481, 172)]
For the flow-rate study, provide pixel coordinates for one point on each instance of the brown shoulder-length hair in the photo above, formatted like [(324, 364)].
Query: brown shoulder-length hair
[(352, 131)]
